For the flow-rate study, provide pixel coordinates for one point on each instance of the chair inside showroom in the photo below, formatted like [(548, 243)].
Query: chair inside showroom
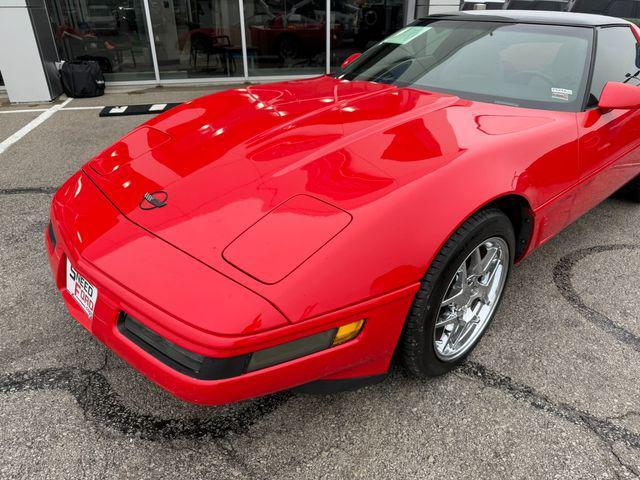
[(211, 46)]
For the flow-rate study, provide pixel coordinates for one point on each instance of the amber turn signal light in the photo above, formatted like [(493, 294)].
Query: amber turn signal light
[(304, 346), (347, 332)]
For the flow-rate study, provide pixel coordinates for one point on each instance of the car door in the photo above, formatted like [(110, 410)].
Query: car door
[(609, 140)]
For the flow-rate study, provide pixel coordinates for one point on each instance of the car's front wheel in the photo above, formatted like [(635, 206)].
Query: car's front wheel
[(459, 294)]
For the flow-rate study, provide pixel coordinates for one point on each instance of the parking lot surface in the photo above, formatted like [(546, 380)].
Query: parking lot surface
[(552, 391)]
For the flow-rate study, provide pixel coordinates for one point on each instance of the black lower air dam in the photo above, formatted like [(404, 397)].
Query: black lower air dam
[(178, 358)]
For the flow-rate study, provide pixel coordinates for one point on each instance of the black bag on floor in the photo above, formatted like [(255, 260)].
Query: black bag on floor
[(82, 79)]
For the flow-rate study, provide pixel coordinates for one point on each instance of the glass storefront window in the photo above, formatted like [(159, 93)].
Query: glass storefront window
[(475, 4), (359, 24), (197, 38), (548, 5), (202, 38), (627, 9), (110, 32), (285, 36), (422, 8)]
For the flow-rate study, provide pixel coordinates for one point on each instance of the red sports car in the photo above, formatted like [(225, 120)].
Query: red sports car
[(297, 234)]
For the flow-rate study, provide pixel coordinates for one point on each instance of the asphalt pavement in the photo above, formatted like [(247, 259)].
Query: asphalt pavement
[(552, 391)]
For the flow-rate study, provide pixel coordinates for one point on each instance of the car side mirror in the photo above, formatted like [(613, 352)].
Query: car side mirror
[(350, 59), (620, 96)]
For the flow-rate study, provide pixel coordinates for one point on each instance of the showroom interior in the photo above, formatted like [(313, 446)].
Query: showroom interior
[(169, 42), (201, 41)]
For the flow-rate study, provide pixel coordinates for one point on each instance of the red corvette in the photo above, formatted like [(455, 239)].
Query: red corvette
[(297, 234)]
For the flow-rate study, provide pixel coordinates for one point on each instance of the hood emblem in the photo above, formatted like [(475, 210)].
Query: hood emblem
[(154, 200)]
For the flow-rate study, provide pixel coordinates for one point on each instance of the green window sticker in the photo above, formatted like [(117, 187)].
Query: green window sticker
[(404, 36)]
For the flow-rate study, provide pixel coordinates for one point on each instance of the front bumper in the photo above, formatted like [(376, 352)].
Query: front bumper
[(368, 354)]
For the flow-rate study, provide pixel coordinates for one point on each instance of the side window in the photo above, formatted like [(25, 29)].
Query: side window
[(615, 59)]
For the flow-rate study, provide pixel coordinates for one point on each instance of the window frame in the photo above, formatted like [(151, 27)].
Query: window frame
[(594, 52)]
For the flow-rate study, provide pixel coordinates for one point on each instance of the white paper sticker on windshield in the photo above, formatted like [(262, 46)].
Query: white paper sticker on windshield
[(405, 35), (561, 93)]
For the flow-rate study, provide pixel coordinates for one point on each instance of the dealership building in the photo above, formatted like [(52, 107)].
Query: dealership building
[(160, 42), (157, 42)]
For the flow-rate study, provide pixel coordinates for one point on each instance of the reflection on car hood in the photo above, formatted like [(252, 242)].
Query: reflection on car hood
[(226, 160)]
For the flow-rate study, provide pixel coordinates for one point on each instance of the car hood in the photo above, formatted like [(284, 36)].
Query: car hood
[(258, 179)]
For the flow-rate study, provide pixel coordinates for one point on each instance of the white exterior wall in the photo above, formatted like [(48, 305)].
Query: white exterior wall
[(20, 63), (442, 6)]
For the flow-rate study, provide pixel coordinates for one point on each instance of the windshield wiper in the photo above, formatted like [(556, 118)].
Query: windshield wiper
[(629, 76)]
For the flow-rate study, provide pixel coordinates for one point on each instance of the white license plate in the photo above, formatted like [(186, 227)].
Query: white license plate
[(81, 290)]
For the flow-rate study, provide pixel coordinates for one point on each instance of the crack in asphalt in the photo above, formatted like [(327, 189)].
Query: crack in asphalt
[(623, 463), (231, 454), (98, 401), (625, 415), (605, 429), (28, 190), (562, 278)]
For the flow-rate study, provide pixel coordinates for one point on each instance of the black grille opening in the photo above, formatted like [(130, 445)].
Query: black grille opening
[(178, 358), (52, 236)]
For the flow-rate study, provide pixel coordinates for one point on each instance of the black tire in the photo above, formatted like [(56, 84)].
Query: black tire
[(631, 191), (417, 349)]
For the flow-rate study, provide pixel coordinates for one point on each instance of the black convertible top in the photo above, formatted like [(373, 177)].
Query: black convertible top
[(531, 16)]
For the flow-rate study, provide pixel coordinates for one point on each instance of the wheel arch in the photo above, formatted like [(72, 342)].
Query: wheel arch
[(518, 209)]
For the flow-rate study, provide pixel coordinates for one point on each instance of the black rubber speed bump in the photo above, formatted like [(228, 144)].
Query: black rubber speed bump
[(146, 109)]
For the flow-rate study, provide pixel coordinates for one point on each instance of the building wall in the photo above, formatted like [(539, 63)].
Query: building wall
[(437, 6)]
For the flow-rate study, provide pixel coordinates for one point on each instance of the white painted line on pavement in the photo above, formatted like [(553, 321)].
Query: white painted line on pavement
[(31, 125), (84, 108), (31, 110)]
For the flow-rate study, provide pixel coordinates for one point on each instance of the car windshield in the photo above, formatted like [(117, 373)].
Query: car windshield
[(533, 66)]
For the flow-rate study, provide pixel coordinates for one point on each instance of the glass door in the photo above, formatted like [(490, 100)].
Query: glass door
[(110, 32), (197, 38), (285, 37)]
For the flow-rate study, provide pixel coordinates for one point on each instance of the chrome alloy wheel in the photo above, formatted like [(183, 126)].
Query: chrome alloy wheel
[(470, 299)]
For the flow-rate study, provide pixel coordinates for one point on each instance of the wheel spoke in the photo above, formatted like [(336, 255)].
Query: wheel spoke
[(466, 332), (449, 337), (491, 275), (458, 286), (456, 335), (462, 273), (488, 260), (452, 299), (483, 294), (447, 320), (476, 262)]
